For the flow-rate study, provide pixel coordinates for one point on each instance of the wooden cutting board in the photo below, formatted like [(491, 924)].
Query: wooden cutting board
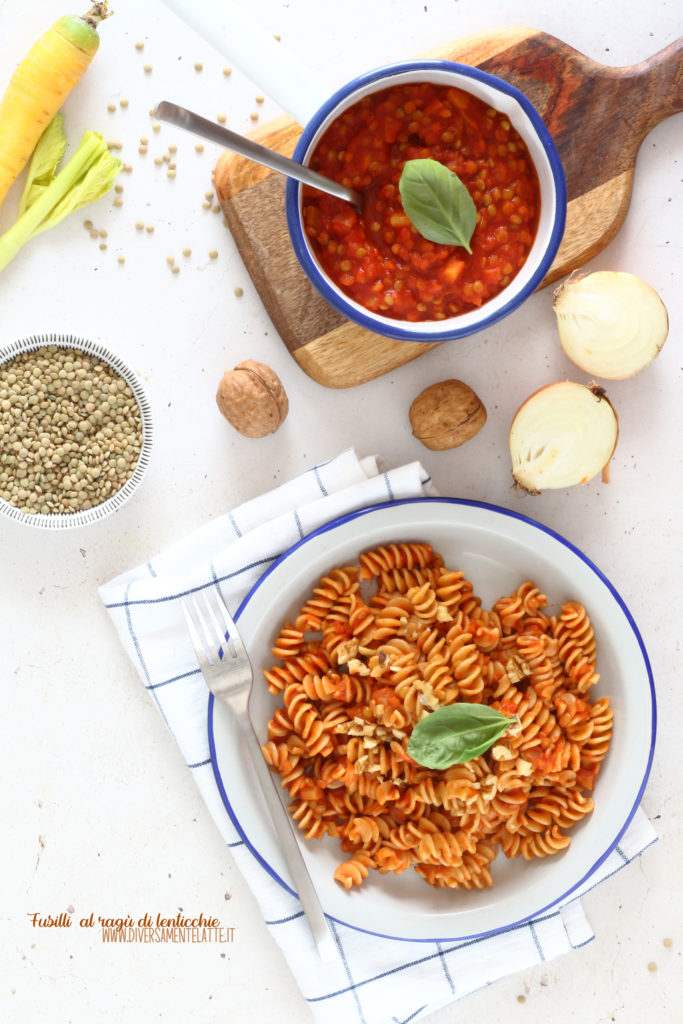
[(597, 115)]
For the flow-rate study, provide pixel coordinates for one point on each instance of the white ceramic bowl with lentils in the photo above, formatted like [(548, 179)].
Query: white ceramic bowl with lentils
[(75, 431)]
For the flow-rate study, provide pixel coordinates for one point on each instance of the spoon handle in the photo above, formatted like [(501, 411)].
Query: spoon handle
[(183, 118)]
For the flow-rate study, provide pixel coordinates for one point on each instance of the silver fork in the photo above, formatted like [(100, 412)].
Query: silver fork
[(230, 678)]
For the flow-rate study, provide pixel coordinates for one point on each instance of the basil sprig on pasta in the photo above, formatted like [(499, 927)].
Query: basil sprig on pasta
[(456, 733), (437, 202)]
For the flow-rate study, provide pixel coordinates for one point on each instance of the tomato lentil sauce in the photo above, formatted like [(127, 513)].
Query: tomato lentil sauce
[(378, 258)]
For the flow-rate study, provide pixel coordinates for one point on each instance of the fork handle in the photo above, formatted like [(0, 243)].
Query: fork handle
[(303, 883)]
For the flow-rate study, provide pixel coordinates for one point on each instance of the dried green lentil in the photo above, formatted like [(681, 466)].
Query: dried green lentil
[(70, 431)]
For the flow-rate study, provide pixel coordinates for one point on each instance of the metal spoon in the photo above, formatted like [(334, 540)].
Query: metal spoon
[(192, 122)]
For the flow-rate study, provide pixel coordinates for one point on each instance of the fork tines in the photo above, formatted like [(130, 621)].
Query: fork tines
[(203, 612)]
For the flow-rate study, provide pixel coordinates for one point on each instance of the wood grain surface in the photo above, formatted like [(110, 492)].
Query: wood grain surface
[(598, 117)]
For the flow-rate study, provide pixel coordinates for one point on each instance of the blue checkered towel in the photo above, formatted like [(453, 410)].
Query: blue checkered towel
[(372, 980)]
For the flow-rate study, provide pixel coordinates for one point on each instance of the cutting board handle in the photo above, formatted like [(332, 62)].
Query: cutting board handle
[(660, 78)]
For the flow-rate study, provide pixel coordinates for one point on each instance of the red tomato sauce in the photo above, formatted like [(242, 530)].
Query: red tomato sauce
[(378, 258)]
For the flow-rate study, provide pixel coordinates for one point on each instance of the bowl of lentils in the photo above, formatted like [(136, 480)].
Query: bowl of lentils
[(75, 431)]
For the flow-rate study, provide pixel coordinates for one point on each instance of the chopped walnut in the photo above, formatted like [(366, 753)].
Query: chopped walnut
[(489, 787), (517, 668), (427, 698), (346, 650), (357, 667)]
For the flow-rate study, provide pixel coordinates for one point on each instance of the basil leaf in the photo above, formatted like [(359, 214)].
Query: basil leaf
[(456, 733), (437, 203)]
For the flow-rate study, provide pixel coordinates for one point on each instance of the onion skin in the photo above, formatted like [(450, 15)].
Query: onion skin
[(559, 438), (611, 324)]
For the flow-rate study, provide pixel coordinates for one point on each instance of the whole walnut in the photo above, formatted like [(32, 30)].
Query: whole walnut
[(252, 398), (446, 414)]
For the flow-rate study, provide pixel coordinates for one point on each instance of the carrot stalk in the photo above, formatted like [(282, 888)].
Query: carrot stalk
[(89, 174), (40, 85)]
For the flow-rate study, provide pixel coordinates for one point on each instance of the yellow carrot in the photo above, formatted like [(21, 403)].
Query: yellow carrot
[(39, 86)]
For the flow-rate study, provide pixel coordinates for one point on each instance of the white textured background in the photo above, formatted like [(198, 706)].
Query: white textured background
[(98, 810)]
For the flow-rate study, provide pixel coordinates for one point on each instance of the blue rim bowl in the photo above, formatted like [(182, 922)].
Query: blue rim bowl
[(496, 547), (524, 118)]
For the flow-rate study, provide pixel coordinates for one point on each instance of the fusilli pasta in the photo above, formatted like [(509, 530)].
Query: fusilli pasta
[(379, 645)]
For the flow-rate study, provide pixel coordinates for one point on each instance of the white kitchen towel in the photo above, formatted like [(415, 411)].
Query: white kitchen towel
[(372, 980)]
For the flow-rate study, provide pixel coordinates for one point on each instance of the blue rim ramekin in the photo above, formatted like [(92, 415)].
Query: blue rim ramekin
[(527, 121)]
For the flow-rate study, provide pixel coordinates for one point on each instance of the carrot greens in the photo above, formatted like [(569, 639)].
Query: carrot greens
[(44, 162), (49, 195)]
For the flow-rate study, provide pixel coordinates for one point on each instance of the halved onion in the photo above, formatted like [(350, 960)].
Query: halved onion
[(611, 324), (562, 435)]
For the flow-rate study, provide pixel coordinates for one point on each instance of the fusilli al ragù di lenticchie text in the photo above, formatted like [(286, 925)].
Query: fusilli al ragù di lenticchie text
[(356, 672)]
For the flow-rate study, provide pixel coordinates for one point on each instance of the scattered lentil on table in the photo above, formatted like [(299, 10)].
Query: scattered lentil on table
[(70, 431)]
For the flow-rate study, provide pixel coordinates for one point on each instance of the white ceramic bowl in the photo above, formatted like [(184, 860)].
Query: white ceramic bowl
[(524, 118), (64, 521), (497, 549)]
